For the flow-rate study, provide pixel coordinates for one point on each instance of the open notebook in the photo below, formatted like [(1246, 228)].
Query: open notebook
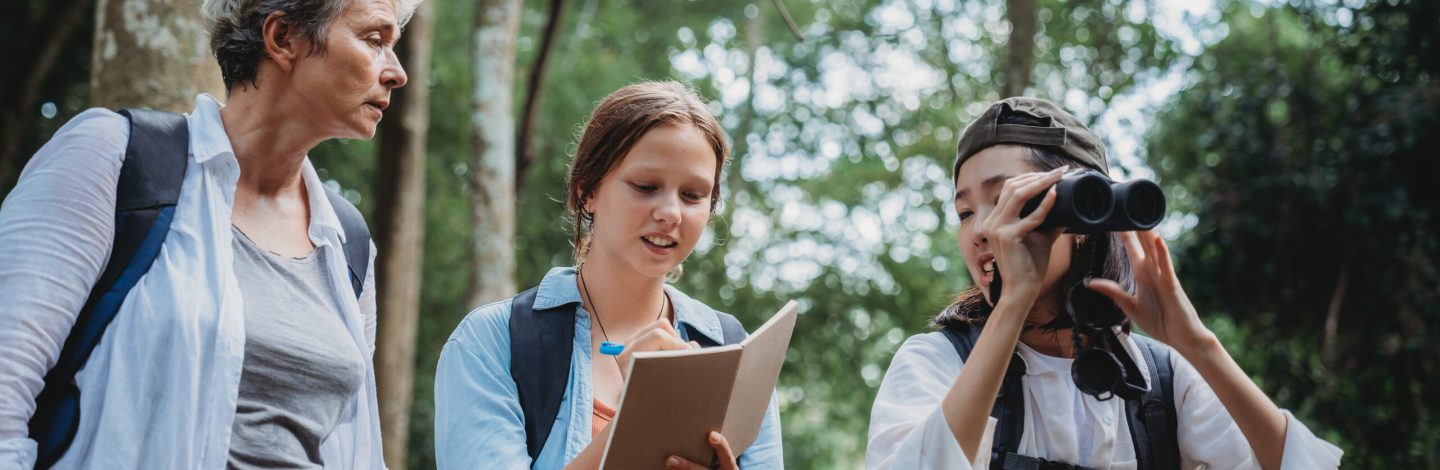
[(673, 399)]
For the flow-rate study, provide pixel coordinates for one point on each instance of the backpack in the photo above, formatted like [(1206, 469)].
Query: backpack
[(145, 199), (540, 347), (1152, 417)]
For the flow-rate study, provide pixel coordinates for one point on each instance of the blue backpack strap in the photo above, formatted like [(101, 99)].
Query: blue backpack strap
[(149, 188), (1009, 408), (1152, 418), (540, 347), (357, 238)]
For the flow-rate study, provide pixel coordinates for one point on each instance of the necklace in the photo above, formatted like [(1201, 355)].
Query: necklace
[(664, 300)]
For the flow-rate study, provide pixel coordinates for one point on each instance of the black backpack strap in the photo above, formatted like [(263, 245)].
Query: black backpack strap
[(145, 198), (1009, 409), (540, 347), (357, 238), (1152, 418)]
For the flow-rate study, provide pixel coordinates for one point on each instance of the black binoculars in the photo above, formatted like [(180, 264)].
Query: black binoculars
[(1087, 201)]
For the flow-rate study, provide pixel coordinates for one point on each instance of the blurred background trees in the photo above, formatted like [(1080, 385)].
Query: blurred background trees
[(1296, 142)]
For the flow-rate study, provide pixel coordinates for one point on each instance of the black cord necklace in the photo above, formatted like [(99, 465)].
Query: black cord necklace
[(664, 301)]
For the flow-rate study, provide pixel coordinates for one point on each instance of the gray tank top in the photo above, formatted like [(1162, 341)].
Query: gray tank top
[(301, 368)]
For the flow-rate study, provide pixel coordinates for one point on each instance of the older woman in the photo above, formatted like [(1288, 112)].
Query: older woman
[(244, 345)]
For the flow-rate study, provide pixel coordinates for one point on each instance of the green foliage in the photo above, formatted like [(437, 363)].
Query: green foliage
[(1305, 141), (1299, 148)]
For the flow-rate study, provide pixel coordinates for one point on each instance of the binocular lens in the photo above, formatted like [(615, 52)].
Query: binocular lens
[(1144, 203), (1091, 199), (1096, 372)]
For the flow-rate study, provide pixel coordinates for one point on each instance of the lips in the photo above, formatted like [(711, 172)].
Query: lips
[(660, 244), (379, 105), (987, 268)]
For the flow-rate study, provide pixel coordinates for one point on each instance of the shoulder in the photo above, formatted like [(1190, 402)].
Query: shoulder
[(486, 328), (93, 140), (930, 347), (926, 355)]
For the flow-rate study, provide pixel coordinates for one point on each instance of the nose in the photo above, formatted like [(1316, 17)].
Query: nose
[(393, 74), (668, 211)]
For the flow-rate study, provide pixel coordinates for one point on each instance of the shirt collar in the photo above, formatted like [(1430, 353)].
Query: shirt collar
[(207, 131), (558, 289), (322, 214), (209, 140)]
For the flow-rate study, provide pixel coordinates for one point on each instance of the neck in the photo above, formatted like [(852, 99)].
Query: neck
[(268, 145), (624, 298), (1056, 343)]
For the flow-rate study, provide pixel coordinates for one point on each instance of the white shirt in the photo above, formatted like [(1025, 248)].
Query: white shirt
[(159, 390), (908, 428)]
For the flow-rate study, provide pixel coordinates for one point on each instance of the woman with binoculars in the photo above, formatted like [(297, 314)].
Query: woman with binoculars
[(1028, 363)]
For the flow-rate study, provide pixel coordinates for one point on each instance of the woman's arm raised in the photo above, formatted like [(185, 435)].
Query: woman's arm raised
[(1160, 307)]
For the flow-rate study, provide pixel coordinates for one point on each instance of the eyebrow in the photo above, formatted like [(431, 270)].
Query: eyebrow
[(989, 182)]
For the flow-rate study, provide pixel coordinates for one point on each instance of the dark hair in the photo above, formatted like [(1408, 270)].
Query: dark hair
[(617, 123), (970, 307), (237, 32)]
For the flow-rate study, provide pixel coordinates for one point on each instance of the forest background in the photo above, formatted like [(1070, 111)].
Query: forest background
[(1296, 141)]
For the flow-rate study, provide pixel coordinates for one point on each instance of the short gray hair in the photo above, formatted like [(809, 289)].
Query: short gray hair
[(235, 29)]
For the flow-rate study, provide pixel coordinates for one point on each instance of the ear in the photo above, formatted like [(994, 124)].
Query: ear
[(281, 43)]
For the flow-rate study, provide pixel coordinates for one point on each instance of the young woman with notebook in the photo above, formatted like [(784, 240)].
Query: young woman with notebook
[(1036, 345), (534, 381)]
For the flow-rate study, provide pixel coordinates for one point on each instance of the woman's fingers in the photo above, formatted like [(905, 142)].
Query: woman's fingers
[(1030, 222), (1020, 189), (1160, 253), (723, 453), (1114, 292), (1133, 250), (676, 462)]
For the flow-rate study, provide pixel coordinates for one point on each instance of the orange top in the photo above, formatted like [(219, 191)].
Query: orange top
[(601, 417)]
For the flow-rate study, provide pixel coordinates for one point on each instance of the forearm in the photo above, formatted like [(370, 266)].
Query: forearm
[(1262, 423), (970, 399)]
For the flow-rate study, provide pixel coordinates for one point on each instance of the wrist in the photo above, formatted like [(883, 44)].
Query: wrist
[(1200, 347), (1014, 305)]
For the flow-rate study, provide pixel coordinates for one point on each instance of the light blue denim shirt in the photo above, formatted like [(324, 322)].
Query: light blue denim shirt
[(478, 421)]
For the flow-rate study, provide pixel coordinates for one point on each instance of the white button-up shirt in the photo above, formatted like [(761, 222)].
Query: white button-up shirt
[(908, 429), (159, 390)]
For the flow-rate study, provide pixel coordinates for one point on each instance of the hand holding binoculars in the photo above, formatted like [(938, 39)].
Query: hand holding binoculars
[(1087, 201)]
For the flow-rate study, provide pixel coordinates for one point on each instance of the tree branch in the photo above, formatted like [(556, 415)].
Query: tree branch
[(789, 22), (532, 95)]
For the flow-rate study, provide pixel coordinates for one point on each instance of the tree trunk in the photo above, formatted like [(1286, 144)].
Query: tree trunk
[(1020, 59), (492, 169), (153, 54), (400, 234), (535, 85)]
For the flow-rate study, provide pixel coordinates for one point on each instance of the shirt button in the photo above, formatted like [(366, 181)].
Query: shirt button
[(1109, 420)]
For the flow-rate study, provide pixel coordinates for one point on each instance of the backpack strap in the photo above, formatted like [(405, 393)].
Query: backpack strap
[(1009, 408), (731, 332), (357, 238), (540, 347), (145, 198), (1152, 418)]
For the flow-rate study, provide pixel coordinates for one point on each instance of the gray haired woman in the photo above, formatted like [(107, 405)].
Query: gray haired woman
[(247, 342)]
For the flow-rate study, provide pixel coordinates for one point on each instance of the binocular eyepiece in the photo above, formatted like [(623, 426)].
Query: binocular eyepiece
[(1087, 201)]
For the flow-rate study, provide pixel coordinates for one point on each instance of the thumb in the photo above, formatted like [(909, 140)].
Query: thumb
[(1113, 291)]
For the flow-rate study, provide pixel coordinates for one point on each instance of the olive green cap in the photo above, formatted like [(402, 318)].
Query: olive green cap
[(1061, 130)]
